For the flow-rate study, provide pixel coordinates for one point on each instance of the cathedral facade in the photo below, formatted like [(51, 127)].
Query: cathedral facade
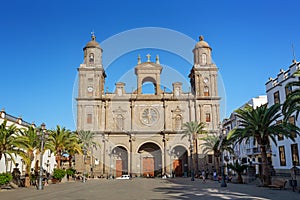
[(141, 134)]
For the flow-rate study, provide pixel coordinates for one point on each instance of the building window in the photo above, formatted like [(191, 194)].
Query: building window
[(91, 58), (295, 154), (254, 142), (210, 158), (206, 91), (292, 121), (204, 59), (207, 117), (276, 97), (282, 156), (280, 136), (178, 122), (120, 122), (89, 119), (288, 90)]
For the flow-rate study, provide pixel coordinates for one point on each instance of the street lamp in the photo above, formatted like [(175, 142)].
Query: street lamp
[(222, 136), (192, 161), (84, 167), (43, 135), (140, 152), (171, 152)]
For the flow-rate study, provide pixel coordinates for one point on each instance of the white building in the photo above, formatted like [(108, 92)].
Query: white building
[(287, 151), (48, 159), (246, 152)]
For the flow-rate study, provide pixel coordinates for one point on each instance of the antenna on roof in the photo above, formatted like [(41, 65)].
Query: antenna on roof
[(294, 56)]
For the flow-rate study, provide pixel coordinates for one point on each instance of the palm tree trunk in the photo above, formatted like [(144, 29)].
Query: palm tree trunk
[(266, 175), (240, 178), (57, 159), (70, 161), (6, 163)]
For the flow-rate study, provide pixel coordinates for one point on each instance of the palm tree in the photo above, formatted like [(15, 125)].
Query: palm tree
[(73, 147), (58, 141), (211, 143), (191, 130), (239, 169), (260, 124), (86, 139), (292, 103), (9, 146), (29, 141)]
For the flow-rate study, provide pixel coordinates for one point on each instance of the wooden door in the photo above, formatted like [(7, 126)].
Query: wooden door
[(148, 167), (177, 167), (118, 168)]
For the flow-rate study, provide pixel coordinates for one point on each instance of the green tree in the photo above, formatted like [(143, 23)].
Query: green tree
[(73, 147), (292, 102), (87, 141), (86, 138), (239, 169), (260, 123), (58, 142), (28, 140), (191, 130), (9, 146), (212, 144)]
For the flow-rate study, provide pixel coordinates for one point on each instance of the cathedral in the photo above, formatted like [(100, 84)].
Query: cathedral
[(141, 134)]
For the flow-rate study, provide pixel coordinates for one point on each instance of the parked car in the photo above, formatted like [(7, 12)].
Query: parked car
[(124, 177)]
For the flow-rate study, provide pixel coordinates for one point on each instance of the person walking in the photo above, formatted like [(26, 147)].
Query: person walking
[(203, 176), (215, 175)]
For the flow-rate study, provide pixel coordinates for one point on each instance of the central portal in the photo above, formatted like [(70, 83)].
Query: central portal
[(150, 160)]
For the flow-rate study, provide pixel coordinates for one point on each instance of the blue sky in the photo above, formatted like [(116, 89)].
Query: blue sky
[(41, 46)]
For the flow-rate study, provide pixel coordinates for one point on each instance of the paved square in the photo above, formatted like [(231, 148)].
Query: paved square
[(150, 189)]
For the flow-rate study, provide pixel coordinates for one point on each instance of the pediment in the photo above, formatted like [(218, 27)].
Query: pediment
[(148, 66)]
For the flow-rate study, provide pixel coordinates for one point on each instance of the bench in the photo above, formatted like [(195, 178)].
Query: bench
[(278, 184)]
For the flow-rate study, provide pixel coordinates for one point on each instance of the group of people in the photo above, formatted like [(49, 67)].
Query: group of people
[(216, 177)]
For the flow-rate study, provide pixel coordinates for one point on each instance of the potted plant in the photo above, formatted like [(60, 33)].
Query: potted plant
[(70, 172), (5, 178), (239, 169), (58, 174)]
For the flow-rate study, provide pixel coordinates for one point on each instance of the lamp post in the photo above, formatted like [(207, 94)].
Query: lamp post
[(171, 152), (84, 167), (222, 136), (192, 160), (43, 134), (140, 152)]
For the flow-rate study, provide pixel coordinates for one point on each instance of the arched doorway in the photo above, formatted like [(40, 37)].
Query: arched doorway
[(150, 160), (119, 157), (179, 161)]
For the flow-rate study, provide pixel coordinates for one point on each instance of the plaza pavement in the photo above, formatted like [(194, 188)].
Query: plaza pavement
[(150, 189)]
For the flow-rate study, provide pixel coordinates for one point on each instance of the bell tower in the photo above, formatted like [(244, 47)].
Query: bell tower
[(204, 84), (91, 76), (203, 76)]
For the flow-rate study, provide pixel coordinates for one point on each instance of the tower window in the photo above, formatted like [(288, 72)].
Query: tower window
[(89, 118), (120, 122), (203, 59), (178, 122), (206, 91), (207, 117), (91, 58)]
